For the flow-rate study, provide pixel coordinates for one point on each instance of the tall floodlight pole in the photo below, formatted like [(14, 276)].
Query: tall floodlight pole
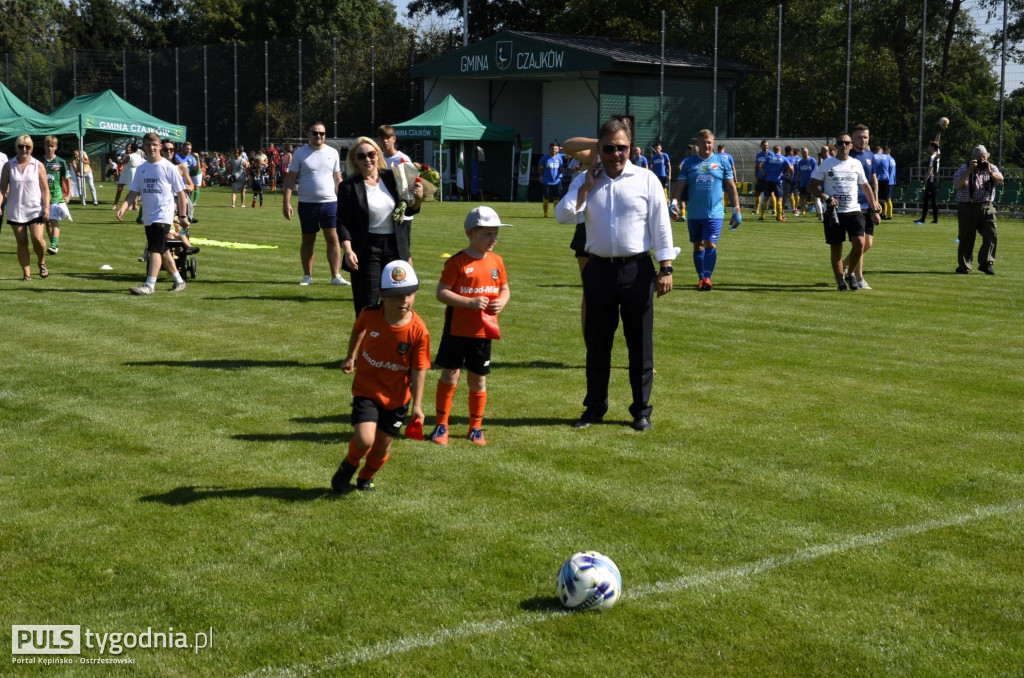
[(1002, 86), (661, 91), (266, 93), (778, 78), (150, 52), (334, 79), (235, 71), (177, 89), (206, 103), (302, 130), (714, 82), (465, 23), (373, 81), (849, 47), (920, 104)]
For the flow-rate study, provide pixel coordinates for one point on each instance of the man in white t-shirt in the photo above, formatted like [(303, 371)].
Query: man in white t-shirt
[(315, 172), (392, 156), (836, 181), (160, 186)]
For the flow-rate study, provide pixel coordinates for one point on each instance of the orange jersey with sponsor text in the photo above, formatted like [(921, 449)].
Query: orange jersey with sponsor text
[(386, 355), (469, 277)]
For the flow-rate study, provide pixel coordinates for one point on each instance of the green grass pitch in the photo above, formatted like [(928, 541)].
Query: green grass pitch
[(834, 484)]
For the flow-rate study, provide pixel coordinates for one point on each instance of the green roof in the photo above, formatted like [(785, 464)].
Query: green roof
[(524, 54), (450, 120), (105, 112), (17, 117)]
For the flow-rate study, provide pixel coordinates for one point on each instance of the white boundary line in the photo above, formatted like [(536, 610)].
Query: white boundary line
[(387, 648)]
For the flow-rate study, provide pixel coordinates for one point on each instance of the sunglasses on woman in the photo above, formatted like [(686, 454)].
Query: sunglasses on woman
[(369, 155), (24, 147)]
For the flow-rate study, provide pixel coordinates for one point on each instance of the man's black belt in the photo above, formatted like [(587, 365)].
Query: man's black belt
[(622, 260)]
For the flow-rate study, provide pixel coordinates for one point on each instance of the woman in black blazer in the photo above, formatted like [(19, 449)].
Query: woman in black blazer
[(370, 236)]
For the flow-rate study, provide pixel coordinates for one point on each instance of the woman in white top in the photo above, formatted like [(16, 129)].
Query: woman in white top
[(370, 236), (130, 161), (23, 182)]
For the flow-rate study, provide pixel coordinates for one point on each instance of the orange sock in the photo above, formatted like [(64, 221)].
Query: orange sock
[(372, 465), (477, 402), (354, 453), (443, 402)]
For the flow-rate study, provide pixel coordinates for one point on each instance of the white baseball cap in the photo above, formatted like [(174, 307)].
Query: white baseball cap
[(398, 278), (482, 217)]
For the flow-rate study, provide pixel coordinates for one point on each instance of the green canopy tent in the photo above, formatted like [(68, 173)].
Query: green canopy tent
[(105, 113), (451, 121), (17, 117)]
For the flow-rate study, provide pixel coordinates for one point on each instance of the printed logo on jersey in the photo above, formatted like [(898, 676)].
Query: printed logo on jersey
[(503, 54), (403, 347), (494, 274), (398, 274), (374, 333), (469, 269)]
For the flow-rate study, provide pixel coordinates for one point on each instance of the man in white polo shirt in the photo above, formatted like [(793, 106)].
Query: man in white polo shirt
[(315, 171)]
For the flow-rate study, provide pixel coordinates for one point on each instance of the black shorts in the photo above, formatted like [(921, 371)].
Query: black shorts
[(773, 188), (869, 224), (37, 220), (850, 223), (553, 192), (664, 181), (389, 422), (805, 193), (883, 191), (471, 352), (579, 240), (759, 186), (156, 238)]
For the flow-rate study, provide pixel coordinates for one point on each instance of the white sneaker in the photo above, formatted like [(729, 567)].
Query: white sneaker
[(306, 279), (338, 280), (863, 284)]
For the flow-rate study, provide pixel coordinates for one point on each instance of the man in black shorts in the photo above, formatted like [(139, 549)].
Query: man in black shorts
[(836, 181)]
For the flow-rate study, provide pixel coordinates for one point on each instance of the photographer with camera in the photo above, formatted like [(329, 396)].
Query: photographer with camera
[(976, 183)]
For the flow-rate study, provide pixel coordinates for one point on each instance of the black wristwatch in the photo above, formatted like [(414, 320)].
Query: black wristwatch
[(665, 270)]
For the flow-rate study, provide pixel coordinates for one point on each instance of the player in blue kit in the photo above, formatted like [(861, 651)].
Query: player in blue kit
[(804, 166), (706, 175), (883, 169), (776, 170), (550, 169), (861, 152), (759, 161), (661, 165)]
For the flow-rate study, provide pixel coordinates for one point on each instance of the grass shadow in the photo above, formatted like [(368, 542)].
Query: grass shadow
[(542, 604), (189, 494), (334, 438), (232, 365)]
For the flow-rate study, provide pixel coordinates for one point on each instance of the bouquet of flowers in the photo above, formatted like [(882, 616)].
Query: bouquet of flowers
[(407, 174)]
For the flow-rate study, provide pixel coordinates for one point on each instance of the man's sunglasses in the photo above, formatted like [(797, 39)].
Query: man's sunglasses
[(842, 142), (318, 134), (621, 149)]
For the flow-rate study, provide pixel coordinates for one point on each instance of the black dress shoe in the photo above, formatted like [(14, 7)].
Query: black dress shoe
[(642, 423), (987, 270), (962, 271), (586, 419)]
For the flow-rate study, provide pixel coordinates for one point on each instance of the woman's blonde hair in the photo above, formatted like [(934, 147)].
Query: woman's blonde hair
[(351, 169), (24, 139)]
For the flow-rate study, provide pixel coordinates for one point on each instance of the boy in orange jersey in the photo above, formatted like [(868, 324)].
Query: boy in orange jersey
[(472, 284), (393, 348)]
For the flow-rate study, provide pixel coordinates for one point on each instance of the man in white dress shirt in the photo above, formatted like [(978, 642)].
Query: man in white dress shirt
[(626, 217)]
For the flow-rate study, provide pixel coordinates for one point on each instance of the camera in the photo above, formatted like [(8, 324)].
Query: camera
[(982, 165)]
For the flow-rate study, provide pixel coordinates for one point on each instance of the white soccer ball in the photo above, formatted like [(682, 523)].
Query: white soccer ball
[(588, 581), (943, 122)]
